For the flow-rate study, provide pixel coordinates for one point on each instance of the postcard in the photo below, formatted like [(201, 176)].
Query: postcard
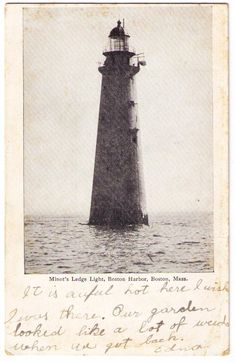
[(117, 179)]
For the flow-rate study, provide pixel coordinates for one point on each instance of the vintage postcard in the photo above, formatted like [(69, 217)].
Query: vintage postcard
[(117, 179)]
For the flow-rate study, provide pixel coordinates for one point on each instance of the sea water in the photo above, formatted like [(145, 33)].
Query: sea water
[(177, 243)]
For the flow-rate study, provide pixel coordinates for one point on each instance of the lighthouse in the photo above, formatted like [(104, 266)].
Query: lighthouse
[(118, 196)]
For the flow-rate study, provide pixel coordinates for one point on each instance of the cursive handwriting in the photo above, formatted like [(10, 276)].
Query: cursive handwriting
[(164, 317)]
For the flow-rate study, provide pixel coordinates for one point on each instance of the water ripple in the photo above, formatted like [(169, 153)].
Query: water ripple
[(68, 245)]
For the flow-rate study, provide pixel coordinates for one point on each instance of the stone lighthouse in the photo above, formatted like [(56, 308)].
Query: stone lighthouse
[(118, 186)]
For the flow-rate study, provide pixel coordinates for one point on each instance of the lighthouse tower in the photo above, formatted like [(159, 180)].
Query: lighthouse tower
[(118, 188)]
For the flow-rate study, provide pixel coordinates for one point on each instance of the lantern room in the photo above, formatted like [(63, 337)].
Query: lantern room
[(118, 39)]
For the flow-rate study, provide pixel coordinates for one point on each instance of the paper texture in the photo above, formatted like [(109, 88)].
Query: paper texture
[(87, 289)]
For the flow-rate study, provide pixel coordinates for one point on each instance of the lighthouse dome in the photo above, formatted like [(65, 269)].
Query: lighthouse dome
[(118, 31)]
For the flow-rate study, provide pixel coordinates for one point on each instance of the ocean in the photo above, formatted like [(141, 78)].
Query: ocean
[(173, 242)]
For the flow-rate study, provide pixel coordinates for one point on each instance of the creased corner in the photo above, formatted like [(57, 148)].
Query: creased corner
[(8, 353), (226, 352)]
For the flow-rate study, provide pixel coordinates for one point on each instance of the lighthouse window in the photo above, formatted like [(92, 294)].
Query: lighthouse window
[(134, 138)]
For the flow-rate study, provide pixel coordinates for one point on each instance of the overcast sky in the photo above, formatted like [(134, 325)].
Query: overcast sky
[(62, 48)]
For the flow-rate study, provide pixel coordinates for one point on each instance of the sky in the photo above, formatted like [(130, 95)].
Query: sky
[(62, 48)]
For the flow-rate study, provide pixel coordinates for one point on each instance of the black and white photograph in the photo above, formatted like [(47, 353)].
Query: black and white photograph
[(118, 139)]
